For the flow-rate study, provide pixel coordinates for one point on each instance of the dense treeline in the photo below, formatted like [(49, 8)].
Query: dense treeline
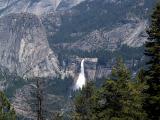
[(119, 98), (106, 56), (122, 97), (152, 101)]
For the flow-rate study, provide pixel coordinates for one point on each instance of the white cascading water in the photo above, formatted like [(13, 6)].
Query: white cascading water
[(81, 81)]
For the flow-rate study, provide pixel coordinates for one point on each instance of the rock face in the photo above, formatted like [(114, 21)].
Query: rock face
[(99, 25), (131, 34), (73, 66), (38, 7), (24, 48), (95, 24), (25, 102), (65, 4), (21, 102), (90, 26)]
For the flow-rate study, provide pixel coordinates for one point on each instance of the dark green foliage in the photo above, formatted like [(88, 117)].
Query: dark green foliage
[(84, 103), (152, 104), (106, 57), (118, 99), (6, 110), (59, 86)]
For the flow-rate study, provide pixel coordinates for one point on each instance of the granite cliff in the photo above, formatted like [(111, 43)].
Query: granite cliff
[(24, 49)]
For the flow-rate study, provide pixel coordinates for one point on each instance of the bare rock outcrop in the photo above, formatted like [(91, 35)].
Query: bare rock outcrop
[(24, 49)]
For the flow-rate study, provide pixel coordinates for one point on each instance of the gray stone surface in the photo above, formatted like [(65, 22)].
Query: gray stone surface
[(24, 48)]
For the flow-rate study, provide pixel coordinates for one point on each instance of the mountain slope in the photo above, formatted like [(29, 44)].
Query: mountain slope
[(24, 48), (103, 29), (38, 7), (106, 16)]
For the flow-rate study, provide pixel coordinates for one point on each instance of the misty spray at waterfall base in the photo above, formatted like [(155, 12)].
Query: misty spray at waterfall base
[(81, 81)]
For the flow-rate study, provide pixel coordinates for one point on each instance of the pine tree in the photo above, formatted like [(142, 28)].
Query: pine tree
[(119, 98), (38, 100), (83, 103), (39, 96), (152, 51), (6, 110)]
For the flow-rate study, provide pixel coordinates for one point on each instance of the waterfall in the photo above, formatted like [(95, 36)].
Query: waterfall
[(81, 78)]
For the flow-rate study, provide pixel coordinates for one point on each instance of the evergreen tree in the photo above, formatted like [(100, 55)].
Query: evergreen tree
[(39, 97), (6, 110), (119, 98), (83, 103), (152, 51)]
